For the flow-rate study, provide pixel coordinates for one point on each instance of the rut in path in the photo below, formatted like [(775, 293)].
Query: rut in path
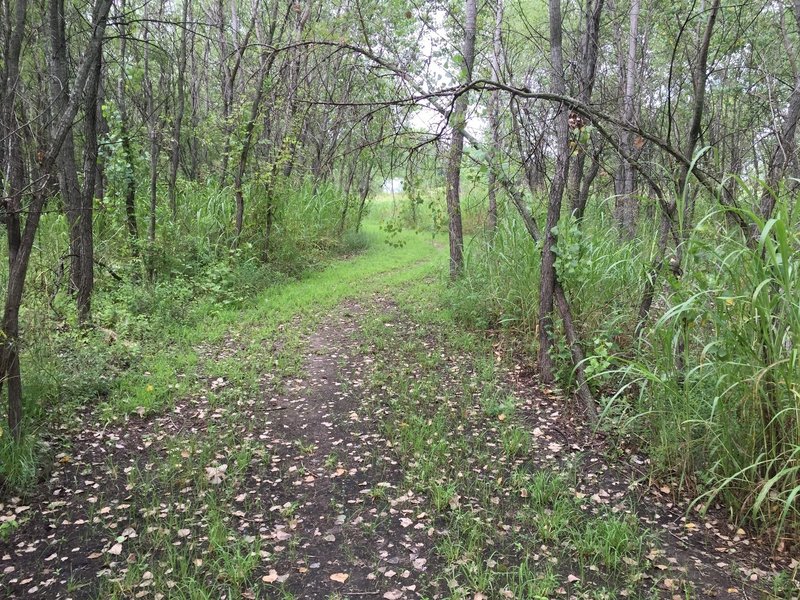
[(350, 519)]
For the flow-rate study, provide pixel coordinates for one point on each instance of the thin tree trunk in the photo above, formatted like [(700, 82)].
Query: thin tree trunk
[(86, 282), (548, 272), (786, 147), (229, 76), (155, 150), (347, 187), (153, 136), (364, 193), (564, 309), (494, 118), (579, 182), (179, 110), (267, 58), (457, 124), (67, 167), (125, 139), (626, 206), (669, 214), (9, 361)]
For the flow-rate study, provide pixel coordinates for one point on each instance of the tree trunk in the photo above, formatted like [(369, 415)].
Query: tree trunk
[(20, 241), (347, 187), (86, 282), (548, 271), (669, 210), (626, 205), (580, 182), (67, 167), (267, 58), (364, 193), (228, 77), (494, 118), (179, 110), (152, 127), (245, 152), (786, 147), (9, 361), (125, 139), (457, 124)]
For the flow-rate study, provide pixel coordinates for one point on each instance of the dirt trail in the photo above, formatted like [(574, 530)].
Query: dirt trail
[(319, 500), (307, 493), (350, 514)]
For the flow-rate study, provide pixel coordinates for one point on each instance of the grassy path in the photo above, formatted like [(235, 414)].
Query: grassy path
[(344, 438)]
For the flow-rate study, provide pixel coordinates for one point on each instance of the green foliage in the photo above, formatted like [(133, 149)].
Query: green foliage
[(728, 422), (19, 465), (498, 289), (137, 358), (725, 425)]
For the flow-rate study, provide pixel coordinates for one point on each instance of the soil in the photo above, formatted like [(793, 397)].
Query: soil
[(326, 500)]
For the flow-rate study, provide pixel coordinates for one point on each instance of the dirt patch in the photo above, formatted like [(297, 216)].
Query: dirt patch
[(351, 517)]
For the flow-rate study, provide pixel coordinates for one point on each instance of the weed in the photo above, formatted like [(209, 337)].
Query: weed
[(516, 441)]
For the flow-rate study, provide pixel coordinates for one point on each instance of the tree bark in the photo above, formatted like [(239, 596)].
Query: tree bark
[(580, 181), (180, 107), (20, 241), (494, 118), (9, 361), (548, 271), (364, 194), (129, 193), (626, 205), (669, 210), (228, 77), (86, 233), (457, 124), (267, 58), (67, 167), (152, 132), (786, 147)]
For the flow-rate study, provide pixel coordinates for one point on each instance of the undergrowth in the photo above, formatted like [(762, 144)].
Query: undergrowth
[(149, 300), (709, 389)]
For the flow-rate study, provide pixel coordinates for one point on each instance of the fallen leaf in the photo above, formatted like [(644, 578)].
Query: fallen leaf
[(340, 577), (116, 549), (216, 474), (272, 577)]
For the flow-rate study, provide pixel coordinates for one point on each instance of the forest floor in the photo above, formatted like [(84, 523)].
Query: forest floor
[(346, 439)]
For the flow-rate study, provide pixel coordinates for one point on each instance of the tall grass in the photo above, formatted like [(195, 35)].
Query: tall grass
[(711, 389), (728, 426)]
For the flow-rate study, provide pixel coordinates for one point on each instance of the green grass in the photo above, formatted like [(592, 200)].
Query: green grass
[(463, 447), (710, 390), (378, 268)]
